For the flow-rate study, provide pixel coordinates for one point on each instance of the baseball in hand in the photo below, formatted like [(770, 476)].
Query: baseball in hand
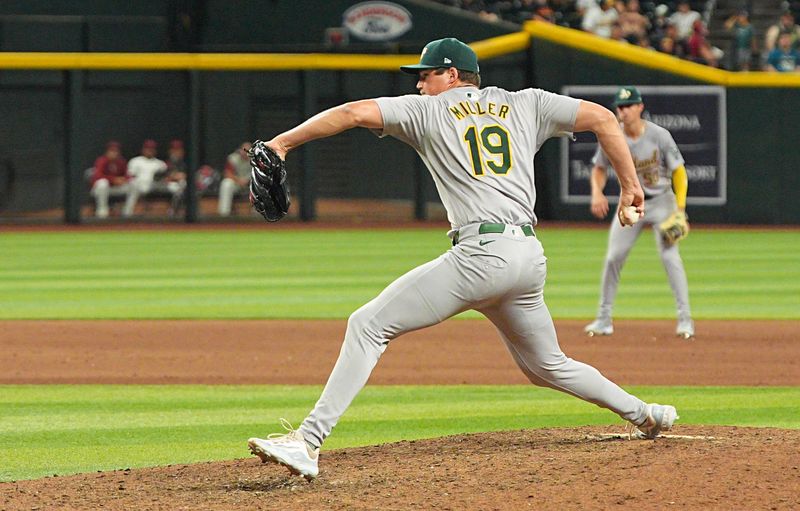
[(629, 215)]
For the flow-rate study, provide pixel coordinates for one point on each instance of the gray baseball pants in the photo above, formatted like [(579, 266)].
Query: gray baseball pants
[(620, 243), (501, 275)]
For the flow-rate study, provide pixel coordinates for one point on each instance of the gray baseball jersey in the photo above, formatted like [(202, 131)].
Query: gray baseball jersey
[(655, 156), (479, 146)]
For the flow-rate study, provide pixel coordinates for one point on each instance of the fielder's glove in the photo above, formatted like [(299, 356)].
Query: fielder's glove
[(674, 228), (269, 192)]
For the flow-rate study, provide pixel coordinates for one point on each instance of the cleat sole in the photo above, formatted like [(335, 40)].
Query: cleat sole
[(270, 458)]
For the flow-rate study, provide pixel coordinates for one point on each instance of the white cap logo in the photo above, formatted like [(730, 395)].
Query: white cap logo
[(624, 94), (447, 61)]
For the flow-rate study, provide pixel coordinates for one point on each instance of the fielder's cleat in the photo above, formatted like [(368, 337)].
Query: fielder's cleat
[(289, 450), (685, 329), (659, 418), (599, 327)]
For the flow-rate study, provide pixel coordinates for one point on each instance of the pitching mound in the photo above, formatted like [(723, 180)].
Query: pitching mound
[(583, 468)]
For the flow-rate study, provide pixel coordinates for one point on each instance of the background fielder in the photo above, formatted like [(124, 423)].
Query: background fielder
[(659, 166), (479, 145)]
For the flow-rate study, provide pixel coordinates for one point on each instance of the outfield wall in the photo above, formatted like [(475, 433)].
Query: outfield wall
[(61, 109)]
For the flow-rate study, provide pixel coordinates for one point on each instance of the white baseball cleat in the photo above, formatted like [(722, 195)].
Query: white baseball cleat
[(289, 450), (659, 418), (685, 328), (599, 327)]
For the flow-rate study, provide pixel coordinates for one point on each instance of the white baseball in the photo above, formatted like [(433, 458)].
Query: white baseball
[(629, 215)]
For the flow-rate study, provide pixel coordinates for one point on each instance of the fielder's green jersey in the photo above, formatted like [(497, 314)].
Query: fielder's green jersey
[(479, 146), (655, 156)]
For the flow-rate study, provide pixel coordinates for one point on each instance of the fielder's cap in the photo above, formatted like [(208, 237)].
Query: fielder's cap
[(176, 144), (149, 144), (445, 53), (113, 144), (628, 95)]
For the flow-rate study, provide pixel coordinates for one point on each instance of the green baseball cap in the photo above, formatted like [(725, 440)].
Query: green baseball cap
[(628, 95), (449, 52)]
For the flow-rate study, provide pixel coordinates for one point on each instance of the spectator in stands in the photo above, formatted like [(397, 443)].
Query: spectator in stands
[(744, 41), (236, 178), (670, 44), (699, 49), (563, 12), (544, 13), (616, 34), (520, 11), (634, 24), (667, 45), (659, 24), (175, 179), (582, 7), (109, 177), (599, 19), (784, 58), (644, 42), (143, 169), (785, 24), (684, 19)]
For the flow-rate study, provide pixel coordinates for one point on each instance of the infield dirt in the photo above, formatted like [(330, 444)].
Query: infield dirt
[(577, 468)]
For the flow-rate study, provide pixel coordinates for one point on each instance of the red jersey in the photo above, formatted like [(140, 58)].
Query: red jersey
[(106, 169)]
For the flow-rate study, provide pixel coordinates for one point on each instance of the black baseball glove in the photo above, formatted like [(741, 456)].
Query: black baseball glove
[(269, 192)]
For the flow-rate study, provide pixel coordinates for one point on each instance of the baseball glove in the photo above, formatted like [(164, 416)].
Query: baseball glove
[(269, 192), (674, 228)]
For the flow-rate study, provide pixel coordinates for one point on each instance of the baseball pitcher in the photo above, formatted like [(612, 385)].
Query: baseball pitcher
[(479, 146), (659, 167)]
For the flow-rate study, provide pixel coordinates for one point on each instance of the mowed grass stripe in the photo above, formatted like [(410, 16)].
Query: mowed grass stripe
[(328, 274), (63, 429)]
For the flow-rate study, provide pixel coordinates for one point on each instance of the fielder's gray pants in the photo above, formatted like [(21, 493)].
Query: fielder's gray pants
[(620, 243), (504, 280)]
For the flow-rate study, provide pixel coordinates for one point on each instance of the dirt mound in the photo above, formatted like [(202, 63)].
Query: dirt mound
[(582, 468)]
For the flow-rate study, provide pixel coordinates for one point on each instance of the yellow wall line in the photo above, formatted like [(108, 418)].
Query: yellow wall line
[(654, 60), (485, 49)]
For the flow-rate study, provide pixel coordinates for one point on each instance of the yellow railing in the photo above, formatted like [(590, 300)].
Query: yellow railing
[(485, 49), (655, 60)]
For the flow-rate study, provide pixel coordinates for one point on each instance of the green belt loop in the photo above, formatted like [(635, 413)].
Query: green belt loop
[(528, 230)]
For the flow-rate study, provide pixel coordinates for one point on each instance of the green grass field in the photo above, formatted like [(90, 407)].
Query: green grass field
[(51, 429), (66, 429), (328, 274)]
